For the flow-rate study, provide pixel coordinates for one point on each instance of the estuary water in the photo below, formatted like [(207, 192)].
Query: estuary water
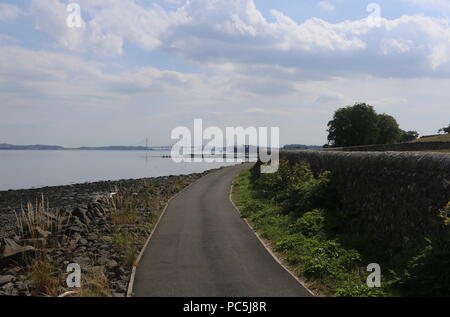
[(26, 169)]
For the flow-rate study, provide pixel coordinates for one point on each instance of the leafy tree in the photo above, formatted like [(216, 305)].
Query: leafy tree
[(408, 136), (389, 131), (445, 130), (354, 125)]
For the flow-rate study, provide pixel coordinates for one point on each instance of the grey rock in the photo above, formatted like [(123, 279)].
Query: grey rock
[(6, 279), (82, 261), (12, 248), (111, 264), (23, 285), (8, 287)]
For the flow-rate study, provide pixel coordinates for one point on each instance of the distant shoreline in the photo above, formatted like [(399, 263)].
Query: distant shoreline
[(41, 147)]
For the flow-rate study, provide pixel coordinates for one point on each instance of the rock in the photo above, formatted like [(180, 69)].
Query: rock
[(6, 279), (81, 214), (82, 241), (81, 250), (23, 285), (111, 265), (82, 261), (92, 236), (121, 286), (36, 242), (8, 288), (73, 229), (12, 248), (13, 271)]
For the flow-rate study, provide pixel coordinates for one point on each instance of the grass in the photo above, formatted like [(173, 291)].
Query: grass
[(123, 207), (437, 138), (303, 243), (38, 221), (36, 224), (94, 283), (44, 277), (129, 243)]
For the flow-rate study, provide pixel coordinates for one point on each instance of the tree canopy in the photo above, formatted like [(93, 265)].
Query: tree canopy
[(445, 130), (361, 125), (408, 136), (388, 130)]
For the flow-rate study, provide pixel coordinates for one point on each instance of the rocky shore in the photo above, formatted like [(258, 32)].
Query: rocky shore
[(100, 226)]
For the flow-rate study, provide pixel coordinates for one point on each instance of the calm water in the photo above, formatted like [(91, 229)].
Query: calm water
[(26, 169)]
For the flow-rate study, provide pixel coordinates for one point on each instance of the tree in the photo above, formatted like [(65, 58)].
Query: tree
[(408, 136), (445, 130), (361, 125), (389, 131), (353, 125)]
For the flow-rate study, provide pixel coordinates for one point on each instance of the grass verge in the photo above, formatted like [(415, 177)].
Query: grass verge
[(303, 243)]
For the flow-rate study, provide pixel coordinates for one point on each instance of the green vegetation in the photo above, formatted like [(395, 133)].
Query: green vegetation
[(353, 125), (408, 136), (296, 211), (445, 129), (436, 138), (428, 272), (287, 208), (361, 125)]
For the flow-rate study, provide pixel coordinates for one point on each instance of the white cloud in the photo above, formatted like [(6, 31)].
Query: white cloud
[(59, 76), (235, 32), (111, 24), (252, 70), (8, 12), (395, 46), (51, 18)]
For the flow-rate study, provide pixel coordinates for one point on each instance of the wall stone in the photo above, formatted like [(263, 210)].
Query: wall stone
[(392, 196)]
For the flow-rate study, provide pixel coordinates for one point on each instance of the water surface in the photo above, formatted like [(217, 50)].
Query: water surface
[(26, 169)]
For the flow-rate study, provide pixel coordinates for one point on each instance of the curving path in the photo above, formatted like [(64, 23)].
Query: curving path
[(202, 248)]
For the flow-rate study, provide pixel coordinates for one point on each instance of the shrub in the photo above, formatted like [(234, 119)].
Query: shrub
[(294, 187), (428, 273), (311, 223), (358, 289)]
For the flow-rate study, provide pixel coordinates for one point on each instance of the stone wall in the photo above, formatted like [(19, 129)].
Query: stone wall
[(413, 146), (391, 196)]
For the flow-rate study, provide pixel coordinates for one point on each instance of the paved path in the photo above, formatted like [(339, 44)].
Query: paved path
[(203, 248)]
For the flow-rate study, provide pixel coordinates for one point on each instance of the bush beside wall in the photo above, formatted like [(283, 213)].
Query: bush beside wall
[(392, 198)]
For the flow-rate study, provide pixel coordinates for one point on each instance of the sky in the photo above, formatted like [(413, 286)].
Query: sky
[(140, 68)]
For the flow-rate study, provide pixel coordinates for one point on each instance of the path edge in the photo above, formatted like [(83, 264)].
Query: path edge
[(268, 249)]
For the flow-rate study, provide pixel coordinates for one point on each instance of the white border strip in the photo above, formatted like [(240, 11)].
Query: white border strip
[(266, 246), (136, 263)]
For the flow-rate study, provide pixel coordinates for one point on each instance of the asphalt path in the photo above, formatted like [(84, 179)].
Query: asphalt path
[(202, 248)]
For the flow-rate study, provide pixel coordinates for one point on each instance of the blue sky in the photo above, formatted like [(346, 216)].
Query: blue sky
[(140, 68)]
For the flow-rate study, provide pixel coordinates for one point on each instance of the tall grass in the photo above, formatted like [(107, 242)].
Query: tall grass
[(36, 224), (38, 221)]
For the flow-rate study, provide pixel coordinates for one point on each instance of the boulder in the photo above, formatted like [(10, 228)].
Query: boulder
[(12, 248), (6, 279), (82, 261)]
